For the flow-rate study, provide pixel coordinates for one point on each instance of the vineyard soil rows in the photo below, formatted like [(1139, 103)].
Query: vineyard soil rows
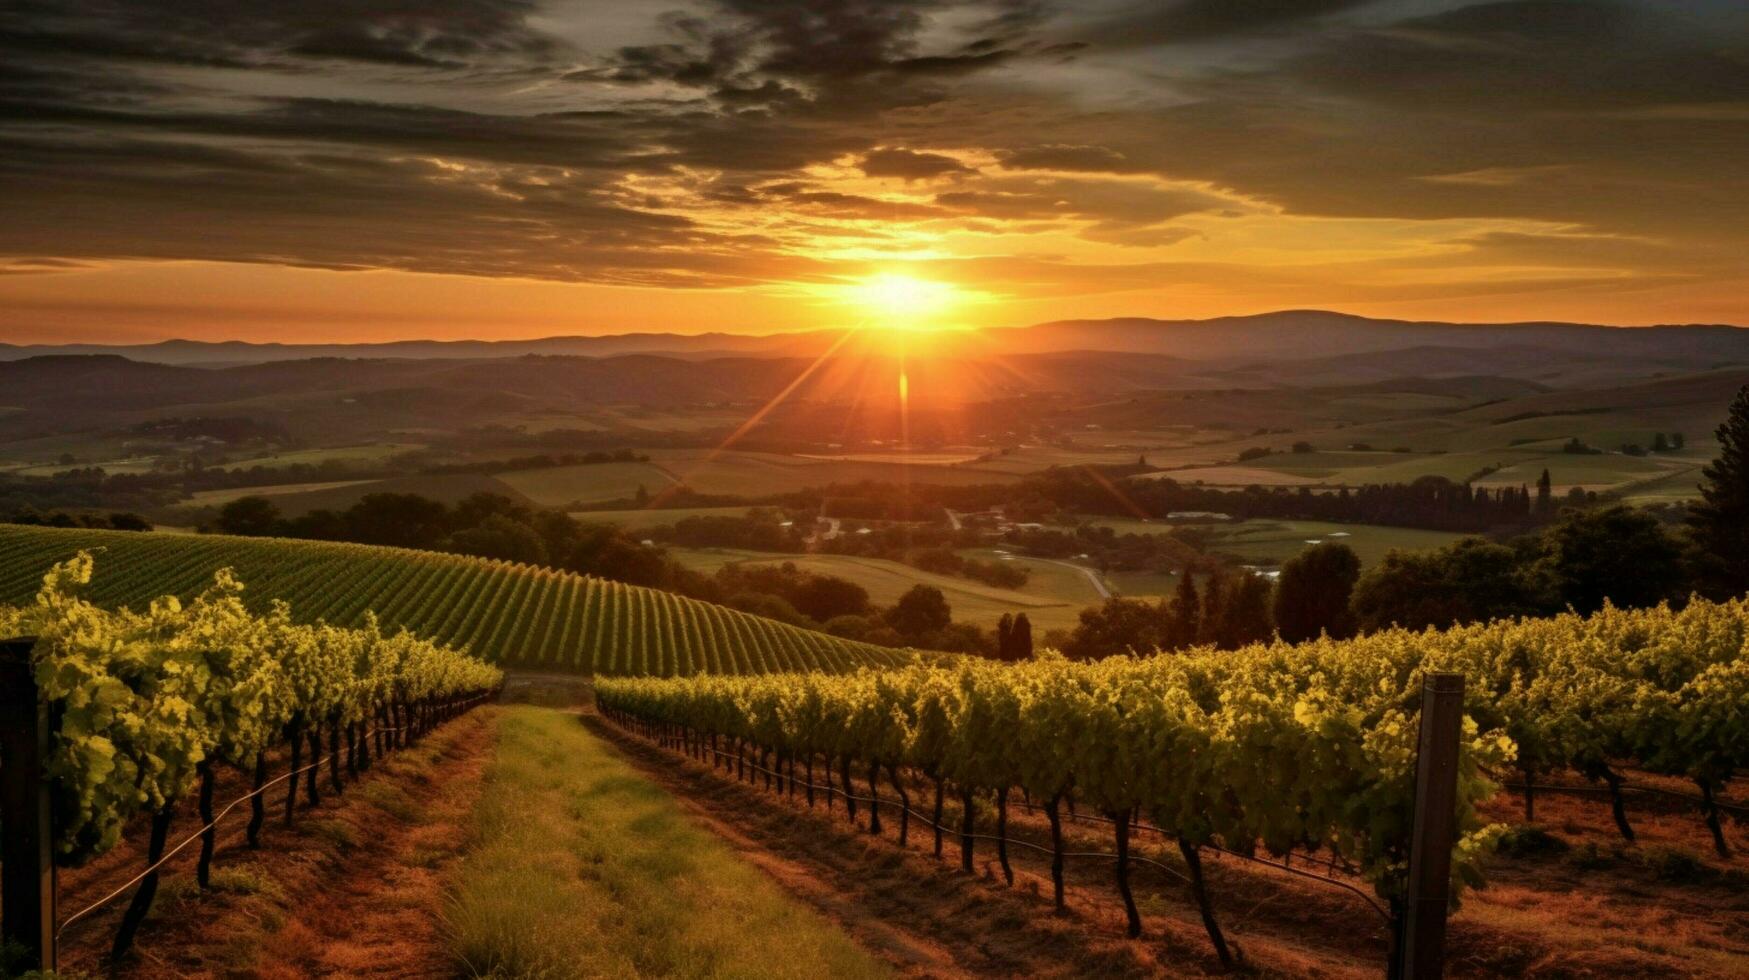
[(1585, 904), (354, 887)]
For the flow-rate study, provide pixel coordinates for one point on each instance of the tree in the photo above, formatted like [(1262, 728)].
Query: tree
[(252, 516), (1660, 444), (1721, 517), (767, 605), (1471, 580), (1118, 626), (1617, 554), (1247, 614), (920, 611), (129, 521), (501, 537), (1004, 627), (404, 520), (1020, 641), (1208, 630), (1677, 440), (1185, 614), (1545, 493), (477, 508), (606, 552), (824, 597), (1311, 597)]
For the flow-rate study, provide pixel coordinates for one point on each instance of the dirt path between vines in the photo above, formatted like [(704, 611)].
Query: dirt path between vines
[(354, 889)]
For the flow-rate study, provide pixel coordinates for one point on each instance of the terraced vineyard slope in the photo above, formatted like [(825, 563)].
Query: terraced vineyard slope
[(508, 613)]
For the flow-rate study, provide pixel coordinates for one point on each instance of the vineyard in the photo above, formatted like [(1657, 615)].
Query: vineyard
[(507, 613), (1303, 753), (113, 715)]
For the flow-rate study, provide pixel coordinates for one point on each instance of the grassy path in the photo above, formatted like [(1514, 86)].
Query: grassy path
[(580, 866)]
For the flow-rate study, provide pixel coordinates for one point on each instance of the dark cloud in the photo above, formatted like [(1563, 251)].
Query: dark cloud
[(909, 164), (1534, 54), (350, 213), (844, 56), (1061, 156), (535, 138), (1153, 22), (855, 206), (1117, 204), (253, 33)]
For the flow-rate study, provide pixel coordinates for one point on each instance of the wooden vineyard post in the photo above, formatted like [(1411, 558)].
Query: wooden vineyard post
[(1421, 953), (27, 867)]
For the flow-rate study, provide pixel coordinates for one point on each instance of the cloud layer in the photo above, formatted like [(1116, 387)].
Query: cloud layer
[(1367, 152)]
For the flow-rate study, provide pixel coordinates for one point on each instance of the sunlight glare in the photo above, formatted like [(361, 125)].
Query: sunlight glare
[(896, 300)]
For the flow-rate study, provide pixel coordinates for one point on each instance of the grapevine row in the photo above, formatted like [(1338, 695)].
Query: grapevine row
[(149, 703), (503, 612), (1208, 759), (1287, 749)]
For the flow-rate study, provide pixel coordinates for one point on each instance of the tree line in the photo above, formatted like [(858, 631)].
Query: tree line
[(492, 526), (1581, 561)]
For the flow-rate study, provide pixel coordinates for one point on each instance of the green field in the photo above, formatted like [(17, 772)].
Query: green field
[(373, 452), (637, 520), (1514, 466), (294, 500), (1142, 585), (1052, 598), (1266, 541), (508, 613), (218, 498), (562, 486), (755, 474)]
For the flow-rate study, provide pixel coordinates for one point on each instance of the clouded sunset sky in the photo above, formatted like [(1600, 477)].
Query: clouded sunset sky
[(331, 170)]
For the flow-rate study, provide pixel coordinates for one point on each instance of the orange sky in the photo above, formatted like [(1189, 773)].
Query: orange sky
[(145, 302), (355, 171)]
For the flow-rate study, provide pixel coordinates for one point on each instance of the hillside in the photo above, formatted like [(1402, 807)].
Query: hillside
[(295, 500), (512, 614), (1278, 335)]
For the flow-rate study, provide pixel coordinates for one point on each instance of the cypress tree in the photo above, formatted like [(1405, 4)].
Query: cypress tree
[(1312, 594), (1248, 618), (1213, 601), (1005, 637), (1721, 517), (1021, 637), (1545, 493), (1186, 613)]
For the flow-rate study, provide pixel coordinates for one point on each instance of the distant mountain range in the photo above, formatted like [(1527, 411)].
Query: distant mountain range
[(1268, 337)]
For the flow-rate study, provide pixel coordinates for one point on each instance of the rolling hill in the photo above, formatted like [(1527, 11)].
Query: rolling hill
[(1279, 335), (512, 614)]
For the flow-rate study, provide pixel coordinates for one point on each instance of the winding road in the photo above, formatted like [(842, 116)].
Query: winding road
[(1093, 577)]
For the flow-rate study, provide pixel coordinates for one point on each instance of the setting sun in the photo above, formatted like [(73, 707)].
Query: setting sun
[(902, 301)]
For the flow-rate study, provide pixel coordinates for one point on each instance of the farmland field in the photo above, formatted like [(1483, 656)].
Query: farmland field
[(1052, 598), (294, 500), (1278, 540), (225, 496), (637, 520), (502, 612), (759, 474), (565, 485)]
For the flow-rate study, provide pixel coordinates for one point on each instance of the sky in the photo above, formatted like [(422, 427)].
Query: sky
[(349, 170)]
